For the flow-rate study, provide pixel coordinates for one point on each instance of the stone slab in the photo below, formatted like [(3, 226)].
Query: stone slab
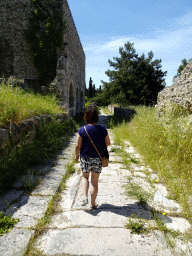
[(77, 167), (154, 177), (183, 248), (125, 173), (15, 242), (9, 197), (146, 186), (113, 179), (113, 166), (175, 223), (101, 217), (96, 241), (137, 167), (161, 203), (140, 174), (127, 143), (32, 206), (25, 221), (112, 154), (115, 159), (108, 201), (50, 183), (130, 149), (74, 180), (67, 199), (114, 189)]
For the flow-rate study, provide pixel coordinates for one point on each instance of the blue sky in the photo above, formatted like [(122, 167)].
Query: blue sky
[(161, 26)]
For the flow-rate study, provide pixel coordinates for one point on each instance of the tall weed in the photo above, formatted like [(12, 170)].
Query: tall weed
[(47, 142), (17, 105), (166, 144)]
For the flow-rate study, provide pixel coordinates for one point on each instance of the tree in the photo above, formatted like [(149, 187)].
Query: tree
[(94, 92), (86, 91), (90, 88), (181, 67), (134, 80)]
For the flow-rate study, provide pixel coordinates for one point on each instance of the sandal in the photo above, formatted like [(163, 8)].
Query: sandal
[(85, 202), (95, 206)]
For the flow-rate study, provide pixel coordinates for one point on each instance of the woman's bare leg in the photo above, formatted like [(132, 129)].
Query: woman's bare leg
[(94, 189), (85, 184)]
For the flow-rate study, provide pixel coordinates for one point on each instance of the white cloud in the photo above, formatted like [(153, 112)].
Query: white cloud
[(169, 46)]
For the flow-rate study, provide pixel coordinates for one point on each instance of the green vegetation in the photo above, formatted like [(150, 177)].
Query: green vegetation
[(137, 225), (87, 102), (6, 223), (45, 36), (135, 191), (134, 80), (181, 67), (166, 145), (50, 138), (17, 105)]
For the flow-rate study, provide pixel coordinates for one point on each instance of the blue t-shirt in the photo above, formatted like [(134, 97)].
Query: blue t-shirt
[(97, 134)]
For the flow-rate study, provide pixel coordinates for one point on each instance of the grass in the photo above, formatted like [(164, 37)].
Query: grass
[(137, 225), (47, 143), (17, 105), (6, 223), (166, 145), (136, 191)]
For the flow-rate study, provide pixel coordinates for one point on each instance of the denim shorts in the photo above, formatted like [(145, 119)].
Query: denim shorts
[(88, 164)]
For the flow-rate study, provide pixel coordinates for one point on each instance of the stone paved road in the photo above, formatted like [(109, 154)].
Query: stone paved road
[(76, 230)]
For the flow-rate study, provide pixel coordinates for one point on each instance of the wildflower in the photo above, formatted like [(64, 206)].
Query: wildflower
[(156, 181), (164, 213), (160, 146)]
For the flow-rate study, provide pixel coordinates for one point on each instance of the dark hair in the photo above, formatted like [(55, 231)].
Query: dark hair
[(91, 115)]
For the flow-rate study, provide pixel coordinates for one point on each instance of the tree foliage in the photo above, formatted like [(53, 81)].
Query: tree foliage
[(134, 80), (181, 67), (90, 88), (44, 35)]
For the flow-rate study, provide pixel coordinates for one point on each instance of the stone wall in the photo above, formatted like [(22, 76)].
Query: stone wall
[(25, 131), (180, 93), (122, 112), (16, 59), (71, 68)]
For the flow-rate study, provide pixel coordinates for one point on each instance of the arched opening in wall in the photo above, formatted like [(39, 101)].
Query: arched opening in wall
[(81, 103), (71, 99), (77, 101)]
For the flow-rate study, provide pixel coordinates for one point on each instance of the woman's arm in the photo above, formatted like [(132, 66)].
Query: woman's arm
[(78, 147), (107, 140)]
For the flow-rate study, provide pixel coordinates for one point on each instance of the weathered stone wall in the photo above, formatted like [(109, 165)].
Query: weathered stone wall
[(16, 59), (15, 54), (25, 131), (71, 67), (180, 93), (122, 112)]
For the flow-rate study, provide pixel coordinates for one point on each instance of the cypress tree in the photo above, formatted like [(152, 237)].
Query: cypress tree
[(90, 88)]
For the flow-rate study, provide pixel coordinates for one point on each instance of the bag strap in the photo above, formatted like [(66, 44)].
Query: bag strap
[(92, 142)]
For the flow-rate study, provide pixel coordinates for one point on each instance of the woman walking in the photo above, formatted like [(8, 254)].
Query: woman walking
[(89, 158)]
